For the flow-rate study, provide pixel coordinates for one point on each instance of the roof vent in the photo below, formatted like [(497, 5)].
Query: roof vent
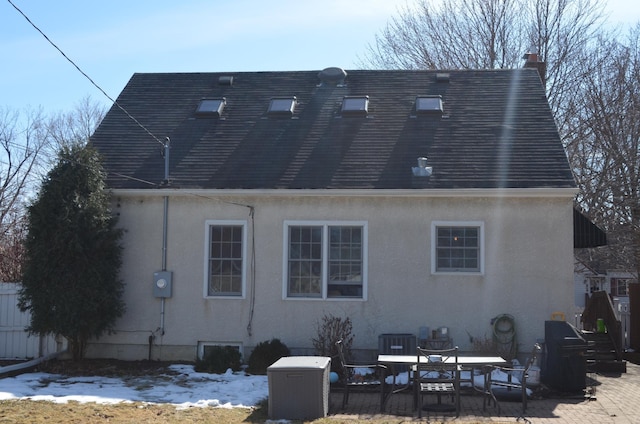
[(422, 170), (225, 80), (443, 77), (332, 76)]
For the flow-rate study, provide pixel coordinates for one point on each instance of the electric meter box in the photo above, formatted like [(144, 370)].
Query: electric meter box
[(162, 283)]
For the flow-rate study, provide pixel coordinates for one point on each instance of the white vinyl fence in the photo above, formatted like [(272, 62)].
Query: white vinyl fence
[(15, 342), (624, 314)]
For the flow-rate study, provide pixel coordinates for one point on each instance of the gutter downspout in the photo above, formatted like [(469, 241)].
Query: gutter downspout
[(165, 226), (11, 370)]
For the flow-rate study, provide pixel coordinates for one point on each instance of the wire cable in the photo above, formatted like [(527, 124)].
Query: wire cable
[(86, 76)]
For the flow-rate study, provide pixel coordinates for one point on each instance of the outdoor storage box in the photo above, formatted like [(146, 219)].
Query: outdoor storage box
[(299, 387)]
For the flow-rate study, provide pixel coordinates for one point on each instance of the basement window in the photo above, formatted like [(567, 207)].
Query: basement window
[(211, 107), (429, 104), (208, 348), (282, 106), (355, 105)]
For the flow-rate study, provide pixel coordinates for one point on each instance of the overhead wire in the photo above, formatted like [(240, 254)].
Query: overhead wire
[(138, 123), (163, 143), (49, 156), (85, 74)]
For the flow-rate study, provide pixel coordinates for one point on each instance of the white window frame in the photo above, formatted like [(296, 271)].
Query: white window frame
[(434, 246), (207, 245), (325, 258)]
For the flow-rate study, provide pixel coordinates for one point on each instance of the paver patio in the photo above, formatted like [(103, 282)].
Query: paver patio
[(609, 399)]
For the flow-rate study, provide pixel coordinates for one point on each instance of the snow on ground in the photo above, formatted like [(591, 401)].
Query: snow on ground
[(184, 389)]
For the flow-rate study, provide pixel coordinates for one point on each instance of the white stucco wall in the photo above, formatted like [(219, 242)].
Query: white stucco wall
[(528, 270)]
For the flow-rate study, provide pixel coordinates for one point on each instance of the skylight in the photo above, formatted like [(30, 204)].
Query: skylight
[(355, 105), (211, 107), (429, 104), (282, 106)]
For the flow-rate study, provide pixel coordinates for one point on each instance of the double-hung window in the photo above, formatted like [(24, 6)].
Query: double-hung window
[(457, 247), (225, 252), (325, 260)]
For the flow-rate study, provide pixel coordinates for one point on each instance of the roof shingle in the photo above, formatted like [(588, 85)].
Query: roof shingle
[(496, 131)]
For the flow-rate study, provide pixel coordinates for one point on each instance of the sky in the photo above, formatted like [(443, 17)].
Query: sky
[(112, 40)]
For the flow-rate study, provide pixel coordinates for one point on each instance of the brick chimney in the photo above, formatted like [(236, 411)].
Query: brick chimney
[(532, 61)]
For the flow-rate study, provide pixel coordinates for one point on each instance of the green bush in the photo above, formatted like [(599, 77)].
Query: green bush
[(265, 354), (218, 359)]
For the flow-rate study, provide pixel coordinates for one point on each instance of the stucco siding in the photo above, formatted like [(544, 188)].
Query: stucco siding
[(528, 271)]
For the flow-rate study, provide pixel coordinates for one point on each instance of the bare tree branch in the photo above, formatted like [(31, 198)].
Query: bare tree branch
[(29, 143)]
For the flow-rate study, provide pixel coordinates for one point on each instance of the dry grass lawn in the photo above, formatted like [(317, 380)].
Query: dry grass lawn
[(41, 412)]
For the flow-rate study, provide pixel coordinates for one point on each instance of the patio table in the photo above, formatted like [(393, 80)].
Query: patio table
[(466, 362)]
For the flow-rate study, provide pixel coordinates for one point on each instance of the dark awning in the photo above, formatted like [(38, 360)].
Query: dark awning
[(586, 233)]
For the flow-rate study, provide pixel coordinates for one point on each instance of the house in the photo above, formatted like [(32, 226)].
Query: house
[(598, 271), (602, 263), (614, 282), (255, 203)]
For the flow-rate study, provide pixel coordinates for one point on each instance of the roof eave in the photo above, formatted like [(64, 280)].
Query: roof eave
[(555, 192)]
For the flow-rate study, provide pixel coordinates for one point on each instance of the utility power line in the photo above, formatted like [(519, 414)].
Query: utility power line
[(85, 74)]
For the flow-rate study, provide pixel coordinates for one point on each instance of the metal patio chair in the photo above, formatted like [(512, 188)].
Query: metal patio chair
[(356, 376), (510, 386), (437, 373)]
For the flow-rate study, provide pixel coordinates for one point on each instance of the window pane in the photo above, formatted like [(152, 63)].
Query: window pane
[(305, 261), (457, 249), (428, 104), (225, 260), (340, 254), (345, 261), (355, 104)]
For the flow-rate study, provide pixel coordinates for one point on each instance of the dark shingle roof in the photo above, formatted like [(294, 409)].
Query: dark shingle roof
[(496, 131)]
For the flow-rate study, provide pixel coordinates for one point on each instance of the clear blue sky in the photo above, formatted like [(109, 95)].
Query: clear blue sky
[(112, 39)]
